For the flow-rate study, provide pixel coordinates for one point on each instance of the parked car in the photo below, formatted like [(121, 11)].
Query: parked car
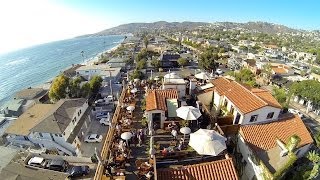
[(77, 171), (93, 138), (109, 98), (294, 111), (105, 121), (38, 162), (58, 165), (219, 71)]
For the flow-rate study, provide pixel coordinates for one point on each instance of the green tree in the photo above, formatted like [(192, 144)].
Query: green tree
[(58, 89), (137, 75), (141, 64), (182, 62), (308, 90), (281, 95), (155, 63), (207, 59), (95, 84), (85, 90), (74, 87), (146, 41)]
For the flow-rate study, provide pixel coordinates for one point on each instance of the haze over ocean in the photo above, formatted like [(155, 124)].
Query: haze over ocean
[(38, 64)]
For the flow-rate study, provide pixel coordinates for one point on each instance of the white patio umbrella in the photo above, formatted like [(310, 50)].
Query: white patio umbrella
[(136, 80), (202, 75), (184, 131), (207, 142), (130, 108), (188, 113), (126, 136), (134, 90)]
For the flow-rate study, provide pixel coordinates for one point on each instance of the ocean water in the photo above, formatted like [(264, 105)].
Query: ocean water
[(38, 64)]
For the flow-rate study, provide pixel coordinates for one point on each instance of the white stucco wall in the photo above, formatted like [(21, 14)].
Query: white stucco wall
[(262, 115), (250, 170), (163, 116), (77, 117)]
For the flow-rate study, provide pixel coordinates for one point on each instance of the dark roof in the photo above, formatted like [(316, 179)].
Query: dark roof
[(60, 116)]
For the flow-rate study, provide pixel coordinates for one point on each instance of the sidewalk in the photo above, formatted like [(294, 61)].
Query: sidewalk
[(303, 109)]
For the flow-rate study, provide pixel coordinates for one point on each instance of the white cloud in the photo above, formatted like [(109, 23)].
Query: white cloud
[(26, 23)]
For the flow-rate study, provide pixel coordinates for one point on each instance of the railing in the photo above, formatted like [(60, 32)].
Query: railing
[(108, 140)]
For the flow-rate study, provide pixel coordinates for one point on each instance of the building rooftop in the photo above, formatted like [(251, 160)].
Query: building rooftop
[(14, 104), (51, 118), (156, 99), (94, 67), (263, 136), (244, 98), (28, 94), (221, 169)]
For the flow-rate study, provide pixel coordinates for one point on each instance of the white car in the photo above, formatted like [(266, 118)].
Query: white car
[(294, 111), (105, 121), (109, 98), (219, 71), (93, 138)]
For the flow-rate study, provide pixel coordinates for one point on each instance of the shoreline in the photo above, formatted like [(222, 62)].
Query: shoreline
[(90, 61)]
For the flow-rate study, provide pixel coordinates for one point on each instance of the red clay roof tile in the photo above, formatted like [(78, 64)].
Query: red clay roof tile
[(156, 99)]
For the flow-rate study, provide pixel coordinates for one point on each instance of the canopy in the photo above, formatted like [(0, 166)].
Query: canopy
[(188, 113), (130, 108), (207, 142), (185, 130), (202, 75), (126, 135)]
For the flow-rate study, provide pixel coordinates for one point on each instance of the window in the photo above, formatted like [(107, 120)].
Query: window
[(225, 103), (254, 118), (231, 109), (40, 134), (270, 115)]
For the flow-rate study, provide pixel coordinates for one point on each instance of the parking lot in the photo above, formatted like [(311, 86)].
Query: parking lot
[(94, 127)]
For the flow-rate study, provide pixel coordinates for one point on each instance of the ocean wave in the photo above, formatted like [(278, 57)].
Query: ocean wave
[(17, 62)]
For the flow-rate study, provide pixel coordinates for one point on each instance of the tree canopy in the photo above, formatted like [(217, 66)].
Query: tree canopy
[(155, 63), (182, 61), (281, 95), (208, 58), (58, 88), (308, 90), (141, 64), (95, 83)]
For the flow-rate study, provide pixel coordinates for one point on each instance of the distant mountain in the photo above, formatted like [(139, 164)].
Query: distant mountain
[(264, 27)]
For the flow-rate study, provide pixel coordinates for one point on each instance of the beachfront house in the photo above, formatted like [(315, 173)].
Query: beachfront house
[(173, 81), (161, 105), (265, 147), (105, 71), (246, 105), (50, 126), (117, 63)]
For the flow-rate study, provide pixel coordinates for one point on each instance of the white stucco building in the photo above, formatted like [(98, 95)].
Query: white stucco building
[(173, 81), (105, 71), (161, 105), (247, 105), (263, 146), (50, 126)]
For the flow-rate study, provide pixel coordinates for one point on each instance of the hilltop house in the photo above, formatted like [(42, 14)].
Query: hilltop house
[(173, 81), (264, 147), (50, 126), (161, 105), (247, 105)]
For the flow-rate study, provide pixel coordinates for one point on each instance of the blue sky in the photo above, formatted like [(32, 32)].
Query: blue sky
[(26, 23), (293, 13)]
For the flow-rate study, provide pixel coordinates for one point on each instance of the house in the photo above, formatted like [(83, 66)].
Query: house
[(105, 71), (117, 63), (281, 69), (13, 108), (247, 105), (214, 170), (50, 126), (264, 146), (251, 65), (161, 105), (169, 60), (173, 81)]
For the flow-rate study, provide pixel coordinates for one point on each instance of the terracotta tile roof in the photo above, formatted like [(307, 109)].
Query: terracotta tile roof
[(243, 97), (221, 169), (278, 70), (156, 99), (267, 97), (263, 136)]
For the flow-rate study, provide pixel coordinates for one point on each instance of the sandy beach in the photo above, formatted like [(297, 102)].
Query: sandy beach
[(95, 59)]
